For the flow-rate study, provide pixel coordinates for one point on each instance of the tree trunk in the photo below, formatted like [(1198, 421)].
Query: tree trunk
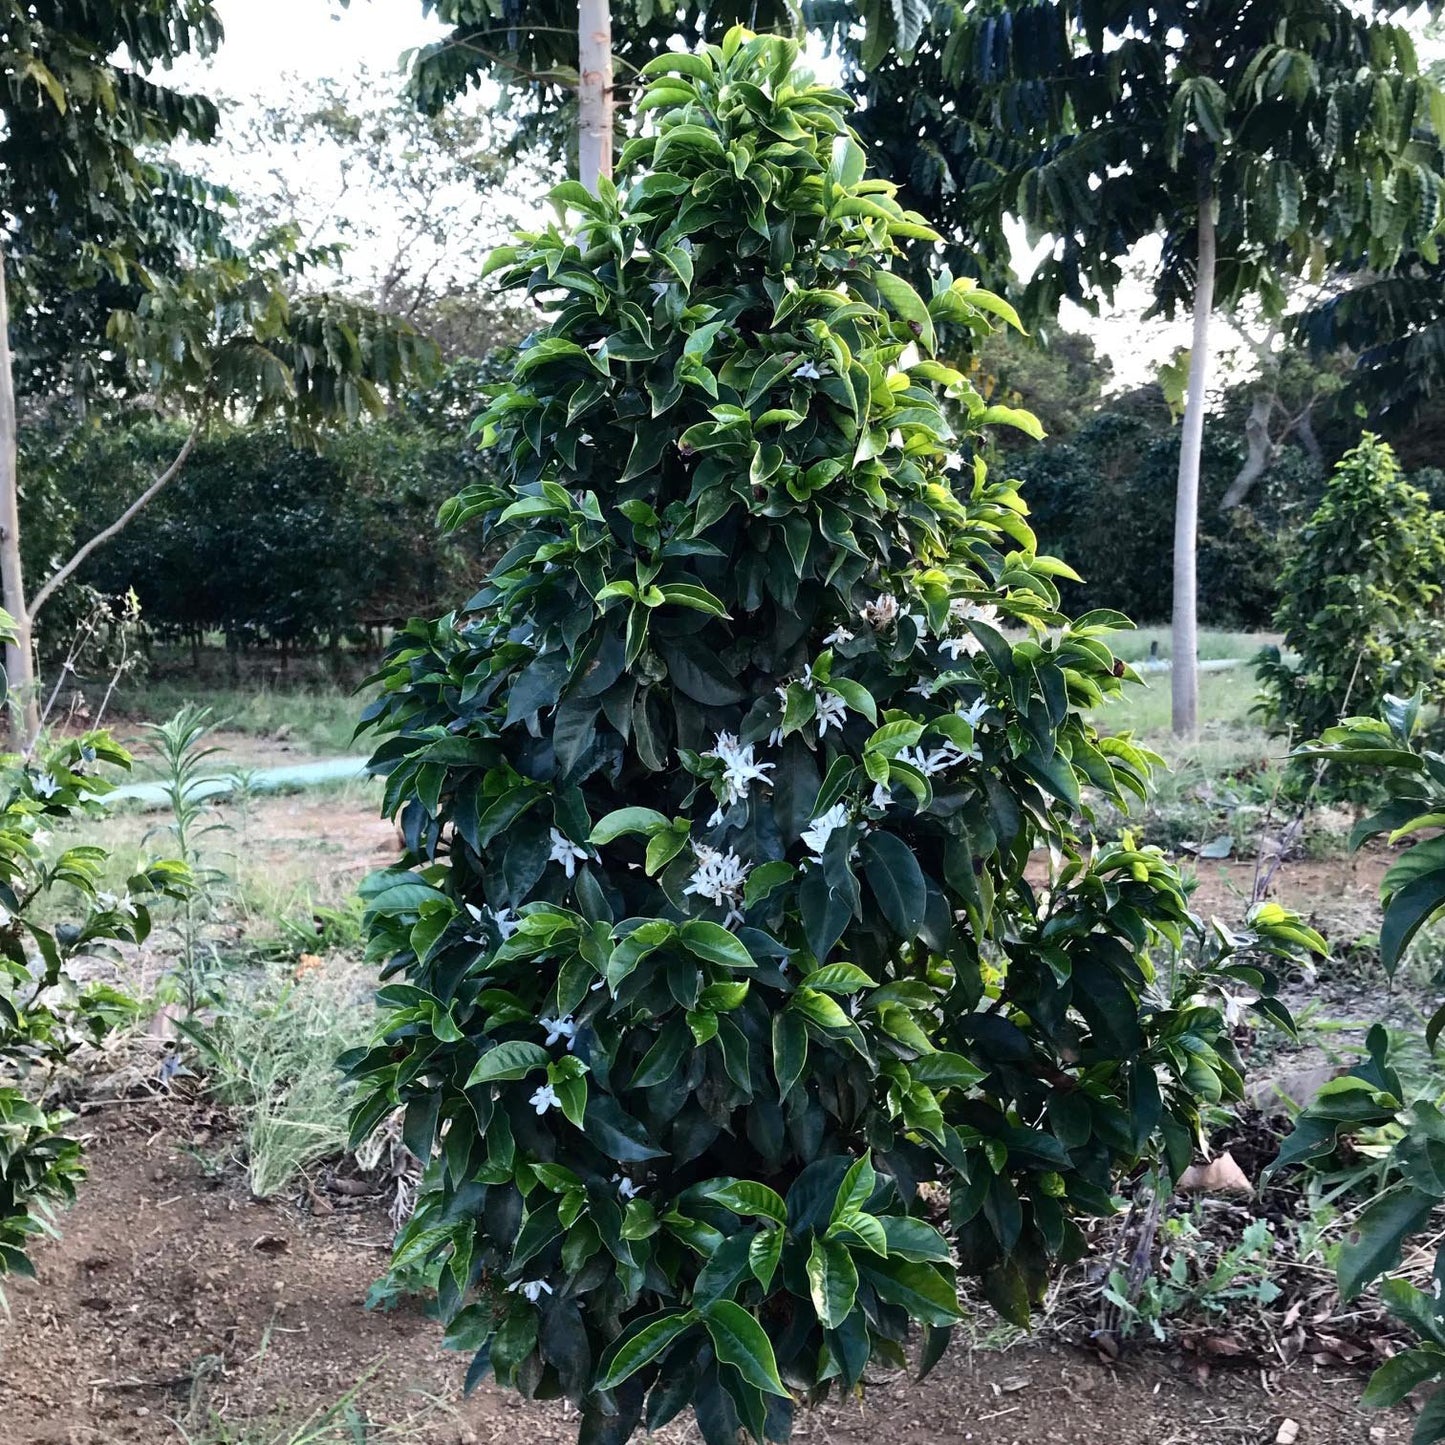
[(19, 653), (594, 92), (1185, 631)]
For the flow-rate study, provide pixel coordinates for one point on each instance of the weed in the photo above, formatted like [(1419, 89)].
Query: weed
[(269, 1052), (181, 744), (319, 719), (1198, 1280), (343, 1422)]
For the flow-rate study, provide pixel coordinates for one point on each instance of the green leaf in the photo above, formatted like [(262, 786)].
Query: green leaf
[(896, 880), (623, 821), (839, 978), (790, 1051), (747, 1197), (765, 879), (945, 1071), (713, 942), (1405, 1372), (832, 1281), (928, 1294), (764, 1253), (739, 1341), (913, 1239), (1024, 421), (616, 1134), (1407, 912), (905, 302), (819, 1009), (1380, 1233), (855, 695), (634, 1352), (513, 1060)]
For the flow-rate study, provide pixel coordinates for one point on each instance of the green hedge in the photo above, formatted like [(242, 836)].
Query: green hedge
[(257, 539), (1105, 498)]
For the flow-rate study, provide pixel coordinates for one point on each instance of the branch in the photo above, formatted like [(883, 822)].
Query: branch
[(122, 521), (1262, 451)]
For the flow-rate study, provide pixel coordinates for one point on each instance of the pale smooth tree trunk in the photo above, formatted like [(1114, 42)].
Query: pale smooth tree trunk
[(19, 653), (594, 91), (1185, 631)]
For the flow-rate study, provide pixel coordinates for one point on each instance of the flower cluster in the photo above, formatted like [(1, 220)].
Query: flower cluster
[(740, 770), (720, 878)]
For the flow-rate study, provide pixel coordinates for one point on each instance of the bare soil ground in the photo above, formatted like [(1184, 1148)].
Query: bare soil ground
[(173, 1299), (172, 1294)]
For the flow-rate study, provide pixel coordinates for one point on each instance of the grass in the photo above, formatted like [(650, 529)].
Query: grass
[(1229, 740), (269, 1053), (343, 1422), (1213, 643), (319, 716)]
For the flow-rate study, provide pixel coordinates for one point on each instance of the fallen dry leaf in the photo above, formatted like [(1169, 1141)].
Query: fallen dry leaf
[(1219, 1176), (1223, 1345)]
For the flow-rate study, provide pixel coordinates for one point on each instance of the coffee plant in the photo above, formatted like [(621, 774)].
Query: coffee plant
[(1361, 602), (751, 976), (55, 918), (1371, 1106)]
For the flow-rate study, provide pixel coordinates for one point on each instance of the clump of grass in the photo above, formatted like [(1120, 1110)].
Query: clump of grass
[(269, 1052), (342, 1422)]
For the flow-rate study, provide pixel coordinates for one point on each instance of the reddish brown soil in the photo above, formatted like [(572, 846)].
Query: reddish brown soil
[(172, 1295)]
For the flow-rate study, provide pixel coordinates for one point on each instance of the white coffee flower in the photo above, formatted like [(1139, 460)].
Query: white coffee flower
[(567, 853), (625, 1187), (935, 760), (719, 877), (974, 712), (882, 796), (967, 645), (562, 1028), (831, 711), (533, 1289), (545, 1098), (964, 609), (45, 785), (1236, 1007), (807, 372), (741, 769), (816, 835), (837, 635)]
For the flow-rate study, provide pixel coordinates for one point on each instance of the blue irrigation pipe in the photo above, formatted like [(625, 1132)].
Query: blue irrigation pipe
[(260, 780)]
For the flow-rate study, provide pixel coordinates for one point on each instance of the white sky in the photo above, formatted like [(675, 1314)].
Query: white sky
[(269, 39)]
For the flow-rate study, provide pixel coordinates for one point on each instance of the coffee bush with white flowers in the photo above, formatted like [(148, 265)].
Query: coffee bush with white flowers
[(750, 976), (56, 924)]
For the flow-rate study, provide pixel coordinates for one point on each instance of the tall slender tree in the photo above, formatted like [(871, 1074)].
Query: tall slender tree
[(1260, 141)]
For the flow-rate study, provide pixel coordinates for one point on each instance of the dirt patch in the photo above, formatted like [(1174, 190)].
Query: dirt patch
[(172, 1293), (1340, 896)]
